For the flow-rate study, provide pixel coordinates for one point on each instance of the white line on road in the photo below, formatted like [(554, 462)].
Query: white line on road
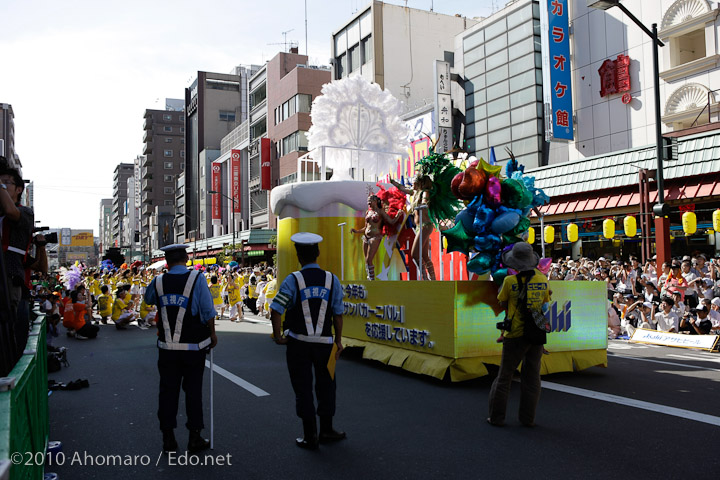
[(697, 358), (258, 392), (653, 407), (615, 355)]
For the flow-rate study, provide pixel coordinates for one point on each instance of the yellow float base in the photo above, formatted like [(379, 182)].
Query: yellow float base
[(468, 368)]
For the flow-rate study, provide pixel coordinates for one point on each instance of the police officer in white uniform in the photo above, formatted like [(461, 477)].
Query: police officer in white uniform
[(186, 332), (311, 300)]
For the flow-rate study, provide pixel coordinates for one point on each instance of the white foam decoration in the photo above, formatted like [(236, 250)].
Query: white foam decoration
[(312, 196), (353, 113)]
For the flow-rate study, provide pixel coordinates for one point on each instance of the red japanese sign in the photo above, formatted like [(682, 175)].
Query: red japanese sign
[(265, 165), (216, 183), (235, 176), (615, 76)]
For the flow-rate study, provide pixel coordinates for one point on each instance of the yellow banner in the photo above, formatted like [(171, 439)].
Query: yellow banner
[(82, 239), (458, 319)]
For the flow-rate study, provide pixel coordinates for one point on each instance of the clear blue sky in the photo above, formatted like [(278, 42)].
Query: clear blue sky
[(79, 75)]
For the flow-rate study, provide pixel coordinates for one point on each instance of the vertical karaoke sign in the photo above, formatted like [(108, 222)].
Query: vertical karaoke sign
[(557, 61)]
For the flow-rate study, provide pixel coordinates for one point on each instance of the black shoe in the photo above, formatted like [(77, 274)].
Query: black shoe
[(332, 436), (196, 443), (169, 442), (309, 440), (328, 433)]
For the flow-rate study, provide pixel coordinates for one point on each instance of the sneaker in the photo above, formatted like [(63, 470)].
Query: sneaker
[(80, 337), (71, 333)]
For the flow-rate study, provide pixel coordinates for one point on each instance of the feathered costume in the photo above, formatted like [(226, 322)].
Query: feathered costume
[(443, 206), (396, 202)]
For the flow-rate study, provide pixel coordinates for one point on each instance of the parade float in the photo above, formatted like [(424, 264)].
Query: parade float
[(477, 210)]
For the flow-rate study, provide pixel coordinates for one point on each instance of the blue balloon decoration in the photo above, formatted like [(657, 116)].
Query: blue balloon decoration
[(466, 218), (499, 275), (505, 222), (487, 243)]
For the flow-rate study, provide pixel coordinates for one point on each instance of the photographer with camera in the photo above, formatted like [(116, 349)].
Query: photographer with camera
[(523, 295), (17, 222), (696, 321)]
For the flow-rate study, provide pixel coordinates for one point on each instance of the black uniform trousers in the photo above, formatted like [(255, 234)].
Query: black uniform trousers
[(302, 357), (181, 368)]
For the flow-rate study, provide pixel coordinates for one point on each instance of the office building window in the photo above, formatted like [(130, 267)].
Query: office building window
[(296, 141), (340, 67), (353, 58), (168, 165), (168, 178), (168, 140), (182, 141), (168, 153), (182, 129), (304, 102), (168, 190), (366, 46), (168, 203), (182, 165), (167, 117), (227, 116), (167, 128)]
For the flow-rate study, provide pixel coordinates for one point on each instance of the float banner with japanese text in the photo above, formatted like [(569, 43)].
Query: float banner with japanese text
[(654, 337), (458, 319)]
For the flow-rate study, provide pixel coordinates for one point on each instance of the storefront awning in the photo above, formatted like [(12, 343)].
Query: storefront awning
[(677, 190)]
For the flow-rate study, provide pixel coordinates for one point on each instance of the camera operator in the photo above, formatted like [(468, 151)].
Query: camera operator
[(17, 224), (696, 321)]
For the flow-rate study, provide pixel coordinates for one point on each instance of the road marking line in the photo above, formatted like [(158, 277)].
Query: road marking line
[(696, 358), (630, 402), (665, 363), (258, 392)]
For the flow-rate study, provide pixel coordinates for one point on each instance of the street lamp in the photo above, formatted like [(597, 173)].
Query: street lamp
[(213, 192), (660, 210)]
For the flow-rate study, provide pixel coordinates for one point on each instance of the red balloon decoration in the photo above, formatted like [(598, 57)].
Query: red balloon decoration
[(472, 184)]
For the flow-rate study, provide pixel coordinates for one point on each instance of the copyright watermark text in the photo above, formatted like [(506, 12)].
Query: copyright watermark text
[(86, 459)]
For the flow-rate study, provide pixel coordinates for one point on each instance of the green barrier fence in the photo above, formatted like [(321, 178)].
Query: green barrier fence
[(24, 411)]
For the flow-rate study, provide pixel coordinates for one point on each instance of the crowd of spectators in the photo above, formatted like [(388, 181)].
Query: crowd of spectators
[(683, 297)]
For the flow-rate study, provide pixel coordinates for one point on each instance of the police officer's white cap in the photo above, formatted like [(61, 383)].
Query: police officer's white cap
[(306, 238), (173, 247)]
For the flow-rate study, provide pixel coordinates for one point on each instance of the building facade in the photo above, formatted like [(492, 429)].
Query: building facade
[(215, 105), (396, 47), (7, 135), (162, 161), (122, 173), (608, 167), (105, 231)]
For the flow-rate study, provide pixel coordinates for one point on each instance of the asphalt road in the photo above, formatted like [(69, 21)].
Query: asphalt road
[(653, 413)]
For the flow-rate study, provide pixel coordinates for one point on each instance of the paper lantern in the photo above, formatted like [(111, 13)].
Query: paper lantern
[(689, 223), (630, 225), (549, 234), (572, 233), (609, 228), (531, 235), (716, 220)]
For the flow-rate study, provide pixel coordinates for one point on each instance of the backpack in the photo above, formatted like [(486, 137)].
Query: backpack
[(535, 326)]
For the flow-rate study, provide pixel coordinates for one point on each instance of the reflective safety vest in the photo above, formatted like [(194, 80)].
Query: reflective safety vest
[(178, 328), (310, 319)]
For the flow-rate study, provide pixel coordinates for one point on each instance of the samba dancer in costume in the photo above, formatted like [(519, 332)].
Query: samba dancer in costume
[(372, 233), (432, 188)]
